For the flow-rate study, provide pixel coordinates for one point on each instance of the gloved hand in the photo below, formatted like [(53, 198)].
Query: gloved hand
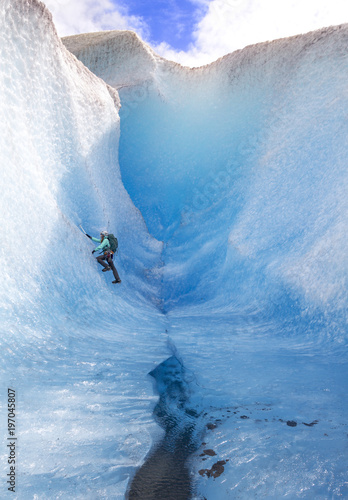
[(88, 236), (93, 251)]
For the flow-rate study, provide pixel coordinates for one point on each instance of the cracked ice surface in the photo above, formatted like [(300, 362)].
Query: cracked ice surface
[(240, 168)]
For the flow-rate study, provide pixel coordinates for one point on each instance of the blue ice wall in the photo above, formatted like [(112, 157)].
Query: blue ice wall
[(172, 146), (60, 169), (240, 167), (65, 328)]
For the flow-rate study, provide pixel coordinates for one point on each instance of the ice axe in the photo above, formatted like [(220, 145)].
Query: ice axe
[(84, 232), (82, 229)]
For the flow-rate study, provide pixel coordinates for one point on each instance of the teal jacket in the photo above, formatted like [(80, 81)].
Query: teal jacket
[(103, 245)]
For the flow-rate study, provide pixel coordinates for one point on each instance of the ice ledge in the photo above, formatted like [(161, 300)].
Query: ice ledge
[(121, 58)]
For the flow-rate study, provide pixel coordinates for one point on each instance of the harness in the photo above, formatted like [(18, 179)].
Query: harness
[(108, 253)]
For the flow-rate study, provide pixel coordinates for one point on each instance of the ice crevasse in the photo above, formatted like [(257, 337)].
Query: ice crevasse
[(226, 187)]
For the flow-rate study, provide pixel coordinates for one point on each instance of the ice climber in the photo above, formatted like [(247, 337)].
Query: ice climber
[(108, 246)]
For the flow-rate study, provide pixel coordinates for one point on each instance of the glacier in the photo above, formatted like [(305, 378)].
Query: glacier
[(226, 187)]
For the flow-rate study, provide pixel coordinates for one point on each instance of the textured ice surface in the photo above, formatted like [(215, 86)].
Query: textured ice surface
[(240, 167), (241, 163), (84, 414)]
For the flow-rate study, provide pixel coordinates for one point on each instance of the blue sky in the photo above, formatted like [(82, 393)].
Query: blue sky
[(196, 32), (169, 21)]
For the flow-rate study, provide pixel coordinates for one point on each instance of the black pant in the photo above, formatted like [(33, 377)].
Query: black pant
[(108, 257)]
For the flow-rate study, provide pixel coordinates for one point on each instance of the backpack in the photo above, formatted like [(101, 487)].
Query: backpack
[(113, 243)]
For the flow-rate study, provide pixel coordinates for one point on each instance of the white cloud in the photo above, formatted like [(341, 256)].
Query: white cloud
[(228, 25), (86, 16), (232, 24)]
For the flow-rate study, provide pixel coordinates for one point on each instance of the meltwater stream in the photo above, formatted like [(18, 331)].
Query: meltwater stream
[(165, 473)]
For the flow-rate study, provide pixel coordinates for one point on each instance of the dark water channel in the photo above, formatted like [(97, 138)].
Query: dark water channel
[(165, 474)]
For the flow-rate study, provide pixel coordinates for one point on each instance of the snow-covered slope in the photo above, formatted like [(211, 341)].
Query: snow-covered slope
[(240, 167)]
